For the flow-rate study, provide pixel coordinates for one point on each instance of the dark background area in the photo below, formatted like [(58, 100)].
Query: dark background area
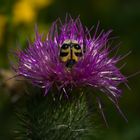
[(17, 21)]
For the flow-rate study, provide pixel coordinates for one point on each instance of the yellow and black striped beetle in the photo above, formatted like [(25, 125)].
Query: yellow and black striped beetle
[(70, 52)]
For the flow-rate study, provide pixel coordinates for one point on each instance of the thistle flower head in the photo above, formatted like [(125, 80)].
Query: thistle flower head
[(70, 57)]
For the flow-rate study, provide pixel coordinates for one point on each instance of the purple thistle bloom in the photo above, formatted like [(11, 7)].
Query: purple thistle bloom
[(41, 63)]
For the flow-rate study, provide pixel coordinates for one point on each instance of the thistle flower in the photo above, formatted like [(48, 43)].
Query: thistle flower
[(71, 57)]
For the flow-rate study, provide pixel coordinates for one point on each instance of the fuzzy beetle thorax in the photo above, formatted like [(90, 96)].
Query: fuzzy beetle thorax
[(70, 52)]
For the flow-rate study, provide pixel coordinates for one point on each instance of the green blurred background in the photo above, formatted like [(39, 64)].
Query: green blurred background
[(17, 21)]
